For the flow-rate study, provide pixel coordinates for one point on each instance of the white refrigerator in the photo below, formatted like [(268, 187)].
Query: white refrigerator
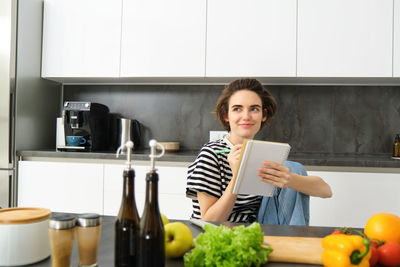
[(29, 104), (7, 100)]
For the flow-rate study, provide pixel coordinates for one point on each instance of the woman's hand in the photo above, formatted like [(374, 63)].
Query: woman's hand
[(275, 173), (234, 156)]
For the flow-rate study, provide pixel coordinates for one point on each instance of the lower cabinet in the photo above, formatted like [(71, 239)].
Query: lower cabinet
[(171, 190), (356, 197), (97, 187), (61, 186)]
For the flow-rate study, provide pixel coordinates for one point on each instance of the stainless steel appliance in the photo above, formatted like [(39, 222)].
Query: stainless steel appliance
[(128, 130), (8, 15), (28, 104), (123, 130)]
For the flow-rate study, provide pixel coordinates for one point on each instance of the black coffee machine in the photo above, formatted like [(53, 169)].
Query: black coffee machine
[(86, 126)]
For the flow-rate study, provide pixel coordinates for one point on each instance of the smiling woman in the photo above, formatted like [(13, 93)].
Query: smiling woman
[(243, 108), (245, 115)]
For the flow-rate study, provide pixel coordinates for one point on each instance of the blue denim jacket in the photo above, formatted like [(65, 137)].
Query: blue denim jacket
[(286, 206)]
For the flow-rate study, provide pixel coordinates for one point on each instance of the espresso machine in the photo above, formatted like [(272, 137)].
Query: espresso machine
[(86, 127)]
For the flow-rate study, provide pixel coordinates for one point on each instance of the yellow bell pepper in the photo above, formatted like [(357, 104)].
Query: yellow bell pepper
[(345, 250)]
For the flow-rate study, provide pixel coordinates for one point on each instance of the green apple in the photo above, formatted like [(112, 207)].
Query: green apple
[(178, 239), (164, 219)]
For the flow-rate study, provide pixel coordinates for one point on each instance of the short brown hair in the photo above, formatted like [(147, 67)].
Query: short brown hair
[(269, 105)]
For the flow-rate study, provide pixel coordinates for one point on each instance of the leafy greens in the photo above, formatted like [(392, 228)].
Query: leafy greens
[(221, 246)]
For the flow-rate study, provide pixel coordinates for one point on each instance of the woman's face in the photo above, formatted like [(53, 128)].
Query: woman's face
[(244, 115)]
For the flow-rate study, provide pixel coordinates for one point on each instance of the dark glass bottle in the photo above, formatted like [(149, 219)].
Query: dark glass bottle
[(152, 236), (127, 224), (396, 146)]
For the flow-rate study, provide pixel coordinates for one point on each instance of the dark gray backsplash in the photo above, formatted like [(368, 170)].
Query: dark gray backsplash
[(312, 119)]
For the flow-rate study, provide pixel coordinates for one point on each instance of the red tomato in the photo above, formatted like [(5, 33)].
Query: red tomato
[(342, 231), (336, 232), (374, 255), (389, 254)]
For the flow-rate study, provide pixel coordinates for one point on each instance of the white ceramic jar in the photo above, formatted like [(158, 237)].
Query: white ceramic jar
[(24, 237)]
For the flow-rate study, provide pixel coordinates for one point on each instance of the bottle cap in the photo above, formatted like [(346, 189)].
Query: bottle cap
[(153, 146), (129, 146), (60, 222), (88, 220)]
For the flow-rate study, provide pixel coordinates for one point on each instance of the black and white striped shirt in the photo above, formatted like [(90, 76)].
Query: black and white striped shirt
[(211, 173)]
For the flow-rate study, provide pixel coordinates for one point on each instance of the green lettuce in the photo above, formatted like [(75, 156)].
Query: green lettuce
[(221, 246)]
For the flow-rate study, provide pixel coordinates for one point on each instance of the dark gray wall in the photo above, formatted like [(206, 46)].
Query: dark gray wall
[(313, 119)]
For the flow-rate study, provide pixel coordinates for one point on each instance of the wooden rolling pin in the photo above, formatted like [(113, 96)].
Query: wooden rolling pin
[(295, 249)]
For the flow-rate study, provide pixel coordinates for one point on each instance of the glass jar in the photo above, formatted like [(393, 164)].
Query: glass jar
[(61, 234), (88, 232)]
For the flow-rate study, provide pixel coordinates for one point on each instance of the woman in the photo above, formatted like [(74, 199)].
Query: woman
[(243, 108)]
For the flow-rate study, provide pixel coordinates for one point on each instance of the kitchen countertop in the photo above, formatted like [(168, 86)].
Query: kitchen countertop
[(106, 248), (307, 159)]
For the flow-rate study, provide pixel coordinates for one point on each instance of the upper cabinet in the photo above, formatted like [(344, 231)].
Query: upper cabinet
[(251, 38), (396, 42), (342, 38), (211, 41), (81, 38), (163, 38)]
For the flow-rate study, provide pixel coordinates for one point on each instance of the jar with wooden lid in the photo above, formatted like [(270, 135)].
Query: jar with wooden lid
[(23, 231), (61, 233), (88, 230)]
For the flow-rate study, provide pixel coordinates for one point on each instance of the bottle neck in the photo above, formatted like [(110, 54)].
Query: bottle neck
[(129, 183), (152, 189)]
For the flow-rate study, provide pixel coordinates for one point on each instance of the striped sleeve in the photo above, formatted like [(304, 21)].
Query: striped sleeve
[(204, 175)]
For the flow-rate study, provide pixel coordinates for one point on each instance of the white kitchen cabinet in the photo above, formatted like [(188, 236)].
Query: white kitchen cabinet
[(172, 190), (396, 39), (356, 197), (61, 186), (81, 38), (163, 38), (344, 38), (97, 187), (251, 38), (219, 38)]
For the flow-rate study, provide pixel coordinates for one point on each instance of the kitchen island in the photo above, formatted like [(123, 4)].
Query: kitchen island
[(106, 249)]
